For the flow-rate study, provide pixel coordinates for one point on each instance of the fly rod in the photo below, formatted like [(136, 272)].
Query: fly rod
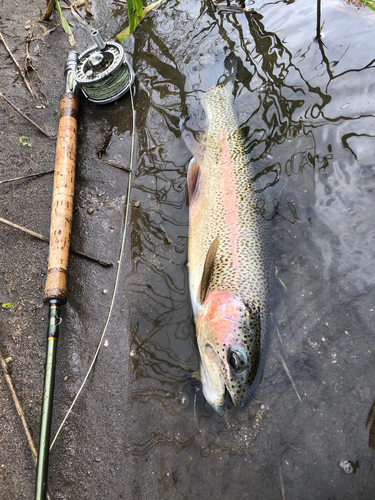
[(55, 292), (103, 75)]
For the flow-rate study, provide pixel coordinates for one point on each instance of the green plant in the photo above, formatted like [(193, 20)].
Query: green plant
[(136, 14)]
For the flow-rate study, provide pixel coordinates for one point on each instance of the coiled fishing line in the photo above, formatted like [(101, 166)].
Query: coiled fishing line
[(102, 72)]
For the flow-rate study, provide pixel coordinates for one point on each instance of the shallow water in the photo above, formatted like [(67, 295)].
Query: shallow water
[(308, 112)]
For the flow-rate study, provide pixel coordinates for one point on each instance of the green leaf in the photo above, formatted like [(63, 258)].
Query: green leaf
[(135, 17), (138, 7), (9, 305), (132, 15), (369, 3), (24, 140), (64, 23), (123, 35), (146, 10)]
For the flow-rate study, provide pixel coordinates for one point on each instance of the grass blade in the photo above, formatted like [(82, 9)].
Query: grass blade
[(290, 377), (134, 18), (64, 23), (369, 3)]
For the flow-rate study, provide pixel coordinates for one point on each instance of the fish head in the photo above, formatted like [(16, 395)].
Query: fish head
[(228, 335)]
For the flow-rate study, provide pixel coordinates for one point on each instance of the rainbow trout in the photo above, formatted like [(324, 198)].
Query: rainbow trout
[(228, 253)]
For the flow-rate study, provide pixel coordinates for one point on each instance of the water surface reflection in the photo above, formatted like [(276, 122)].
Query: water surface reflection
[(307, 118)]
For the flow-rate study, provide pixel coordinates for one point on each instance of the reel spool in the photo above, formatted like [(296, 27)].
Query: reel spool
[(102, 71)]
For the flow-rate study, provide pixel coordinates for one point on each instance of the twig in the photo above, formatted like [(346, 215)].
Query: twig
[(26, 117), (318, 21), (47, 32), (165, 234), (26, 176), (80, 3), (46, 240), (20, 411), (278, 333), (277, 270), (78, 16), (48, 23), (282, 484), (88, 8), (28, 63), (234, 8), (18, 66), (49, 10), (290, 377), (127, 169), (19, 408)]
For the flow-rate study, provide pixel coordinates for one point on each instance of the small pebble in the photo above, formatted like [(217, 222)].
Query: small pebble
[(136, 204), (347, 466), (65, 379), (105, 291), (90, 210)]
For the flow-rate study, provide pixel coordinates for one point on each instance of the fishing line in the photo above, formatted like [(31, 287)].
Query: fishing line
[(116, 280), (195, 415), (112, 86), (102, 72)]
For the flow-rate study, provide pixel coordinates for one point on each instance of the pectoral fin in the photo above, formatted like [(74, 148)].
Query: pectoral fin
[(208, 269), (193, 180), (192, 132)]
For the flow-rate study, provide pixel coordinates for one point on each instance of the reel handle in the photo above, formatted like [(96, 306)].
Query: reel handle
[(62, 200)]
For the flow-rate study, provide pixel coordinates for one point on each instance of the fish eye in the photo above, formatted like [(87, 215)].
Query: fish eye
[(236, 361)]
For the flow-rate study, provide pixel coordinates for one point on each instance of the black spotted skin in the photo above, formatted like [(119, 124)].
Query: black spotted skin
[(227, 204)]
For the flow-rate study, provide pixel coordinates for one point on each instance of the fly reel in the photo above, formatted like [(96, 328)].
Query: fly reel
[(102, 71)]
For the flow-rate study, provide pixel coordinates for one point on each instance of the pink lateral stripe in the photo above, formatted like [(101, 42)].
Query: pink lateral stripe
[(228, 188)]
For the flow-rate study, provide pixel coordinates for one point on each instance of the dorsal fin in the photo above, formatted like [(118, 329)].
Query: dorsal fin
[(193, 179), (208, 269)]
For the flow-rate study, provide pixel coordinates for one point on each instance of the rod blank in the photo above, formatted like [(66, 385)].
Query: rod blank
[(56, 284)]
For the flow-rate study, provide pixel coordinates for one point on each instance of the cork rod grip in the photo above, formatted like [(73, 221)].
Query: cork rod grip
[(62, 200)]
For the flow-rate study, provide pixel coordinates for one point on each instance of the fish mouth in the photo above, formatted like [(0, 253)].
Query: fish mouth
[(212, 378), (215, 381)]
